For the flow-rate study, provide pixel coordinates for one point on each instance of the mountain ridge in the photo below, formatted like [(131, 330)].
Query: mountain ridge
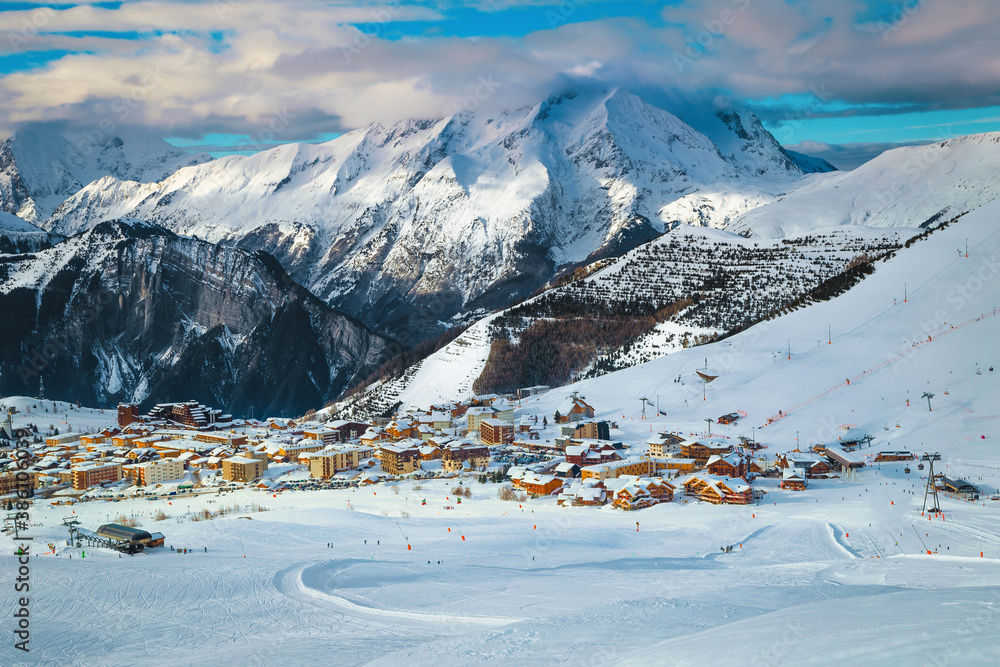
[(385, 222)]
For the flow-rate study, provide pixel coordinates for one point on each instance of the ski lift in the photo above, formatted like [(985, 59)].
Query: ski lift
[(907, 470), (920, 466)]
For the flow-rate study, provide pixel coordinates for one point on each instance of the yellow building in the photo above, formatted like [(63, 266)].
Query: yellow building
[(325, 464), (616, 469), (241, 469)]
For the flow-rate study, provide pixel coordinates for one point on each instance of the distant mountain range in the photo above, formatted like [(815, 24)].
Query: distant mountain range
[(40, 167), (410, 225)]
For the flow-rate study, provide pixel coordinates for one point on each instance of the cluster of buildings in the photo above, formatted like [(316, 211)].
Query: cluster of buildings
[(575, 459)]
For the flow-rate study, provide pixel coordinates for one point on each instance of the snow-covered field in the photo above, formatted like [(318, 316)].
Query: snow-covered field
[(838, 573), (529, 582)]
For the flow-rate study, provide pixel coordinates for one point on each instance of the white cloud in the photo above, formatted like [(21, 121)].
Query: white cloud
[(305, 58)]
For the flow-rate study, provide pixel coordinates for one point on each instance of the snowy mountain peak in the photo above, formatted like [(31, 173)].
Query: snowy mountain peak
[(41, 166)]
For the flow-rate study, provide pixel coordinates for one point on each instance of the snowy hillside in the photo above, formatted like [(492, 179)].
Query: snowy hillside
[(41, 167), (385, 221), (885, 351), (905, 187), (715, 281)]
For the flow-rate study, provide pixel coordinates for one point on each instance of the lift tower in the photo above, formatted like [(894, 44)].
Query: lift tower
[(931, 489)]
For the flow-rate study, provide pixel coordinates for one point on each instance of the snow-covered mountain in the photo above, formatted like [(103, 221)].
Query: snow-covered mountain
[(41, 167), (130, 311), (913, 186), (405, 226)]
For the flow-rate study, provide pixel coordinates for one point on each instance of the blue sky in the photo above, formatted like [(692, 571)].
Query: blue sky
[(239, 75)]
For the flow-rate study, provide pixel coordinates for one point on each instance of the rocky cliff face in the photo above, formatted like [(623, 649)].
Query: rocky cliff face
[(129, 311)]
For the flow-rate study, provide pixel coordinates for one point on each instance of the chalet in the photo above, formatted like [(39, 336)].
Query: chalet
[(435, 420), (591, 453), (587, 494), (482, 400), (703, 451), (373, 436), (567, 470), (792, 479), (731, 465), (453, 410), (813, 466), (537, 485), (642, 492), (399, 429), (731, 418), (429, 453), (573, 409), (665, 444), (719, 490), (124, 439)]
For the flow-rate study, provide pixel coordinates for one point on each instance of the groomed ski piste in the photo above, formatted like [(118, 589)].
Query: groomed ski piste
[(836, 574)]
